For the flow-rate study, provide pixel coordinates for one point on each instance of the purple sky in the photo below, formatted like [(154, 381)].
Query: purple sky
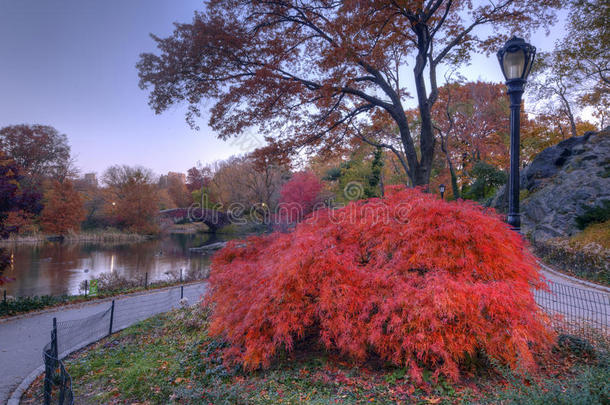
[(71, 64)]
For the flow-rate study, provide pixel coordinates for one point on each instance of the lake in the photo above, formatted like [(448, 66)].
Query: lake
[(57, 268)]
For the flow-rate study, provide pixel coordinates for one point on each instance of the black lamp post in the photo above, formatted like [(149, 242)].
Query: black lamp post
[(442, 190), (516, 58)]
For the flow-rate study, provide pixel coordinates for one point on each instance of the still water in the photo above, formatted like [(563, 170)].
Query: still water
[(57, 268)]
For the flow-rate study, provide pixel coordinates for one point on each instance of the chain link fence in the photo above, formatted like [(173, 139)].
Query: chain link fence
[(574, 310), (69, 336)]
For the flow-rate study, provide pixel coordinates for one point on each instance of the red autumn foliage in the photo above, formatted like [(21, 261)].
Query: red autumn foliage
[(299, 196), (418, 281)]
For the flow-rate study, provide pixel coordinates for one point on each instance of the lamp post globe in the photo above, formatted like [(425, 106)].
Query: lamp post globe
[(516, 58)]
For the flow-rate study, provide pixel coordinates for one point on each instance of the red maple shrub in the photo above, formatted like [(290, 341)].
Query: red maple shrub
[(413, 279), (298, 196)]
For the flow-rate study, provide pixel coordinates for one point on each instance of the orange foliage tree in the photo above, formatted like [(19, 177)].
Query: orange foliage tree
[(304, 72), (63, 209), (132, 198), (178, 192), (545, 130), (471, 120), (418, 281)]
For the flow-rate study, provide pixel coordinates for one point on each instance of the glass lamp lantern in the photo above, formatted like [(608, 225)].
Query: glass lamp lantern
[(516, 59)]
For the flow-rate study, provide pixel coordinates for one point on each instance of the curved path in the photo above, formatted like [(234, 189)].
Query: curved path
[(23, 337), (580, 302)]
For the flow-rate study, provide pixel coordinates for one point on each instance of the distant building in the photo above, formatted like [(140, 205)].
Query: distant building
[(174, 175), (165, 180), (162, 181), (90, 179)]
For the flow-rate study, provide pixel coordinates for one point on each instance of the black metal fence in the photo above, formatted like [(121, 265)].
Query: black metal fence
[(69, 336), (574, 310), (106, 284)]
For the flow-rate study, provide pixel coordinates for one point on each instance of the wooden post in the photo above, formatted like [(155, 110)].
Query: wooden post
[(146, 280), (181, 291)]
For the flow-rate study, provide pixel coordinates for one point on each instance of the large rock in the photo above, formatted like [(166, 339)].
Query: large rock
[(560, 183)]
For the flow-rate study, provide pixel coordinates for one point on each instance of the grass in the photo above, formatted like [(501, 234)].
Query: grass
[(170, 359)]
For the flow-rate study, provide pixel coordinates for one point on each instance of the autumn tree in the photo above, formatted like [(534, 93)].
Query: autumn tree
[(9, 200), (178, 192), (556, 91), (40, 150), (271, 169), (299, 196), (132, 199), (197, 177), (576, 73), (471, 120), (418, 282), (587, 46), (306, 73), (544, 130), (246, 182), (63, 209)]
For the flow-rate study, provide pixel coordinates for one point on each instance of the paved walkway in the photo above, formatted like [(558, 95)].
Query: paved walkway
[(22, 338), (579, 302)]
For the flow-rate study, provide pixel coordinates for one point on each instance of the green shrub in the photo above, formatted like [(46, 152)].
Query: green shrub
[(595, 214), (487, 180), (25, 304)]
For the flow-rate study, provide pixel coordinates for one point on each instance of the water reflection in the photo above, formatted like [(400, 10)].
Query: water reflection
[(59, 268)]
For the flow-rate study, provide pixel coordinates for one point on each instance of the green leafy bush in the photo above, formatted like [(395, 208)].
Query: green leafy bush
[(595, 214), (487, 180), (25, 304)]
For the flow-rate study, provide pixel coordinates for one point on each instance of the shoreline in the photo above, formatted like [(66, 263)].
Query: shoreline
[(108, 295), (101, 236)]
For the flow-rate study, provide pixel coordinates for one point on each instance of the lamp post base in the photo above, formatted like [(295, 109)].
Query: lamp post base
[(514, 220)]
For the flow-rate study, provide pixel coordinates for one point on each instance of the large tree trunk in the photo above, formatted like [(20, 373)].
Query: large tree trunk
[(427, 142), (419, 170), (421, 175), (454, 184)]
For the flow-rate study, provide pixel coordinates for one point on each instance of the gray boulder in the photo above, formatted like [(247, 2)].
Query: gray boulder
[(561, 183)]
